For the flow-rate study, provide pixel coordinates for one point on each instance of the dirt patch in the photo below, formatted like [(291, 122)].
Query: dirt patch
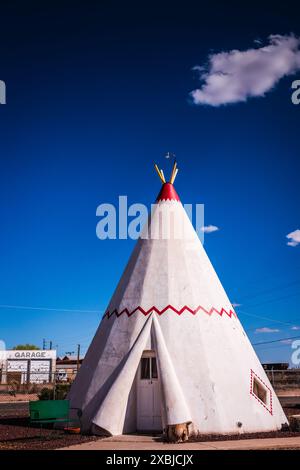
[(15, 434), (235, 437), (17, 397)]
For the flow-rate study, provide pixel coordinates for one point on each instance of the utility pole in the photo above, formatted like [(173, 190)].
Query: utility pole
[(78, 357), (44, 344), (50, 347)]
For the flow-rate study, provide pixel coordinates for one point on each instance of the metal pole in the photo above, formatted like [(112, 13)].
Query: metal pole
[(78, 357)]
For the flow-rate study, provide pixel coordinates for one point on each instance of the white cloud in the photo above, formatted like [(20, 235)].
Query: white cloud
[(265, 329), (286, 341), (258, 41), (294, 238), (236, 305), (295, 328), (235, 76), (209, 228)]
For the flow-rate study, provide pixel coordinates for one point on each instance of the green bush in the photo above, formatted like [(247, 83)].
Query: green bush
[(58, 393), (46, 394), (62, 391)]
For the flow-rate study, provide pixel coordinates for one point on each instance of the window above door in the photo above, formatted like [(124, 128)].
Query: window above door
[(148, 370)]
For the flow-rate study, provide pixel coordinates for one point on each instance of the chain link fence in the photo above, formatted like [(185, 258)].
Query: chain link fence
[(18, 388), (284, 379)]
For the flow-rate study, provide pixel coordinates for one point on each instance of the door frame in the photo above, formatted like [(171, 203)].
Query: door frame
[(147, 354)]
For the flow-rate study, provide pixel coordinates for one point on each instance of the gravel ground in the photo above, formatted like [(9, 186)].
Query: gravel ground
[(7, 398), (257, 435), (16, 435), (235, 437)]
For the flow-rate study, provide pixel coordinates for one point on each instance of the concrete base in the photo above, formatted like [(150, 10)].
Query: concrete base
[(137, 442)]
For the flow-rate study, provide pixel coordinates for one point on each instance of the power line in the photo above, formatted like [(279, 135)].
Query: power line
[(275, 300), (275, 340), (272, 289), (274, 346), (25, 307), (274, 275), (265, 318)]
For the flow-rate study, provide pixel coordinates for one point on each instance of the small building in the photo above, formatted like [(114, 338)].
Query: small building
[(67, 367), (276, 366), (22, 366)]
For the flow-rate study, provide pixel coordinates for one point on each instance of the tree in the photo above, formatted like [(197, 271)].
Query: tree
[(26, 347)]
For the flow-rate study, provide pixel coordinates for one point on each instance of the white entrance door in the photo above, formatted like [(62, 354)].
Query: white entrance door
[(148, 396)]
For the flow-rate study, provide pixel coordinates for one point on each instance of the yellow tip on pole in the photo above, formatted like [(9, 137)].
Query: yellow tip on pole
[(173, 173), (174, 176), (163, 176), (159, 174)]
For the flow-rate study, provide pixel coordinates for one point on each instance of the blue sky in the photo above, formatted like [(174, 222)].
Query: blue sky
[(97, 93)]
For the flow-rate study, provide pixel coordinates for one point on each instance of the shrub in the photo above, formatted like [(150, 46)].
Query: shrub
[(46, 394), (61, 391)]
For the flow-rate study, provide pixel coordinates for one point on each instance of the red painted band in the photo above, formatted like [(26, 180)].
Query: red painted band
[(230, 314)]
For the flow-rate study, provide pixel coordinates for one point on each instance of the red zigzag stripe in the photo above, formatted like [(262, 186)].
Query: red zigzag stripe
[(230, 314)]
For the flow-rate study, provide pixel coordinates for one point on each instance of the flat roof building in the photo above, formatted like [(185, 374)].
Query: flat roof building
[(22, 366)]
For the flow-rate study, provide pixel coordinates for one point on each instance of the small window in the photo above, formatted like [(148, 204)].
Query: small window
[(153, 368), (148, 368), (145, 368), (259, 391)]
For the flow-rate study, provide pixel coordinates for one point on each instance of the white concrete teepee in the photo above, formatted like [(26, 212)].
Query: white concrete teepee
[(170, 348)]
